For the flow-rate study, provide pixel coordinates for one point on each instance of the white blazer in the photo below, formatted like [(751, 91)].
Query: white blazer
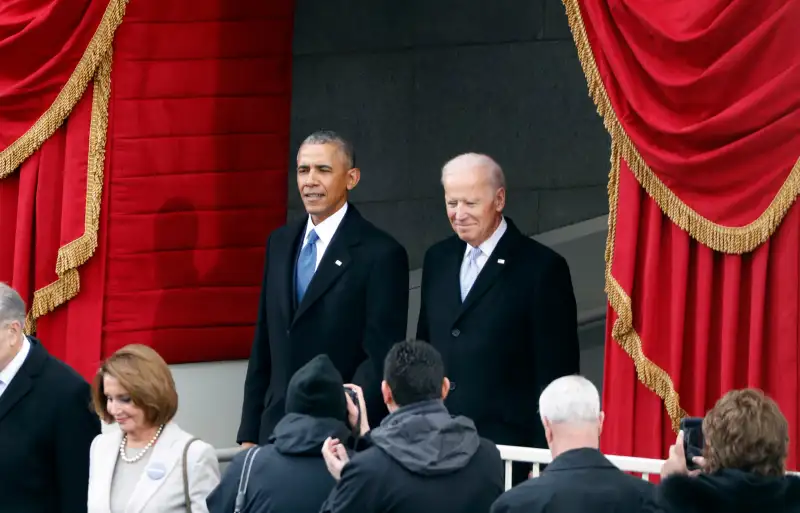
[(164, 495)]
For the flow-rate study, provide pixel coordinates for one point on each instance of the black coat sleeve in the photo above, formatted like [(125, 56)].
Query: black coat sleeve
[(223, 498), (258, 369), (77, 425), (499, 506), (386, 322), (356, 491), (556, 351)]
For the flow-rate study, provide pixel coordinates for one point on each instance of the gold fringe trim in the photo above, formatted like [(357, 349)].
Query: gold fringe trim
[(651, 375), (725, 239), (97, 50), (77, 252)]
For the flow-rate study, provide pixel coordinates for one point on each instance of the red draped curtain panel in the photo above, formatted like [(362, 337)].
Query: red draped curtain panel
[(700, 99), (56, 59), (186, 154)]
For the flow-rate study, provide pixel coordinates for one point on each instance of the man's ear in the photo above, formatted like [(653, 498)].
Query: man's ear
[(500, 199), (353, 177), (445, 388), (600, 421), (548, 431), (387, 393)]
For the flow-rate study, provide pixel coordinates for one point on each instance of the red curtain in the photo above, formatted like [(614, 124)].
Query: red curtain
[(139, 212), (708, 321), (56, 61), (700, 99), (198, 157)]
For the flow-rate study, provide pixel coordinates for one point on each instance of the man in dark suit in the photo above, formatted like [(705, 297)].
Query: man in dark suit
[(333, 284), (580, 479), (46, 423), (498, 305)]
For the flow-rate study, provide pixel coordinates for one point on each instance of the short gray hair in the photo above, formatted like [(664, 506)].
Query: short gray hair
[(570, 399), (331, 137), (12, 307), (477, 160)]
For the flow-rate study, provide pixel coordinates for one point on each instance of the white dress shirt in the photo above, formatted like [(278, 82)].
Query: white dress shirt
[(325, 231), (8, 373), (487, 247)]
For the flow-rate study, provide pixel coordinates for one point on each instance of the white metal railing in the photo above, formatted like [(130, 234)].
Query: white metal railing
[(536, 457)]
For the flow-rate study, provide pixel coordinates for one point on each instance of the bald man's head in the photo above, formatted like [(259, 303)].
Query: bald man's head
[(475, 195)]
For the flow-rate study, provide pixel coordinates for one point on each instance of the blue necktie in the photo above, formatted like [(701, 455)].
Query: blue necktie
[(306, 264)]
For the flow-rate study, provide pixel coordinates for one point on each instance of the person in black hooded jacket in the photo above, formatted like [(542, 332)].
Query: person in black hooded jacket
[(420, 458), (288, 474), (743, 468)]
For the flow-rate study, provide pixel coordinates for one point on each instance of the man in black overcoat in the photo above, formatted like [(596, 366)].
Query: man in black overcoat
[(499, 306), (333, 284), (46, 422)]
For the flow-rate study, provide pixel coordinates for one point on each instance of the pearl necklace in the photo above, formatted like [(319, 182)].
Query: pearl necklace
[(141, 454)]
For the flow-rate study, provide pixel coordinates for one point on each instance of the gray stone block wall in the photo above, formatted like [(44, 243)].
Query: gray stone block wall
[(416, 82)]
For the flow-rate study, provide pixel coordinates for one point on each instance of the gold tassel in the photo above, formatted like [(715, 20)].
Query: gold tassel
[(77, 252)]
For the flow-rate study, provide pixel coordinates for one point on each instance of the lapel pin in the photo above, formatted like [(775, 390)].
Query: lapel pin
[(501, 261), (339, 263)]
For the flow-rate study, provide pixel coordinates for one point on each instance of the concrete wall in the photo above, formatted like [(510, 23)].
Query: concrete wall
[(416, 82)]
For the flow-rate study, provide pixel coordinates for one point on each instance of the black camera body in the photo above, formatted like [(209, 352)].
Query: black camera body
[(693, 441), (353, 397)]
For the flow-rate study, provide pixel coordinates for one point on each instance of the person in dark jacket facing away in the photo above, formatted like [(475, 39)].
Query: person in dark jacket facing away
[(420, 458), (743, 469), (580, 479), (289, 474)]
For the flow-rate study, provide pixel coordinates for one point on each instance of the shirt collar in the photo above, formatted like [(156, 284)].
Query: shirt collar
[(327, 228), (7, 374), (487, 247)]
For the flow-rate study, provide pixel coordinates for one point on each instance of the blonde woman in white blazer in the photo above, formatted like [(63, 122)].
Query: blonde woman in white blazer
[(139, 468)]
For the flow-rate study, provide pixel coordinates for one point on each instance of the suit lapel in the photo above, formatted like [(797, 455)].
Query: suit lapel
[(287, 259), (105, 459), (334, 262), (22, 383), (452, 279), (495, 265), (167, 452)]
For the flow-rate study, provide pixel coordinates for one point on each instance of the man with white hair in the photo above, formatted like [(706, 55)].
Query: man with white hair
[(580, 478), (46, 425), (498, 306)]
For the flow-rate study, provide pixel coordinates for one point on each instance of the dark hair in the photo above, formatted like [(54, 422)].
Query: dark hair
[(746, 430), (414, 371), (331, 137)]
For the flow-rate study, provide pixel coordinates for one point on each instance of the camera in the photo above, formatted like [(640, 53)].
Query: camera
[(353, 397), (693, 441)]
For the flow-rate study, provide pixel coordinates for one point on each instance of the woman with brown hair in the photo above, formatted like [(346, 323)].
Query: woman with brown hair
[(743, 468), (149, 464)]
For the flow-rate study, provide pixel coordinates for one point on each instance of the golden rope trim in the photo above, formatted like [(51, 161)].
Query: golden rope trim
[(18, 151), (77, 252), (725, 239), (651, 375)]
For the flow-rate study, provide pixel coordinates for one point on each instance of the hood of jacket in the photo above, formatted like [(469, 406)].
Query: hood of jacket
[(300, 434), (426, 440), (731, 491)]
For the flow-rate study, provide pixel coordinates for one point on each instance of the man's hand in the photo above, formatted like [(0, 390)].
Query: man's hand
[(352, 411), (247, 445), (335, 457), (676, 463)]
